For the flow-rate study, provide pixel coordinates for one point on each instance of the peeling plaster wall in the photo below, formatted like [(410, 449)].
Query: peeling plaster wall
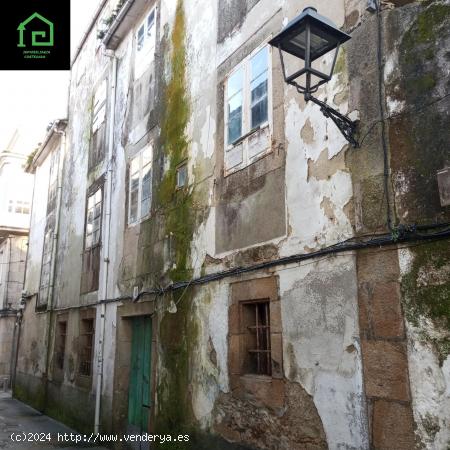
[(428, 337), (415, 77), (325, 360), (321, 345), (319, 192)]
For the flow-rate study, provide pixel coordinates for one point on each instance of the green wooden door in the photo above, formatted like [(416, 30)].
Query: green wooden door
[(139, 397)]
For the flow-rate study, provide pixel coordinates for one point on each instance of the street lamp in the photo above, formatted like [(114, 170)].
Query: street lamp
[(308, 37)]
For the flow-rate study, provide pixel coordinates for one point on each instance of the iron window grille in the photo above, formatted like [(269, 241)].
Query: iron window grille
[(61, 345), (256, 316), (87, 347)]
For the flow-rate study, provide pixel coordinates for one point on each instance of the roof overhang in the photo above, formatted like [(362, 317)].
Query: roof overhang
[(6, 232), (124, 22), (56, 129)]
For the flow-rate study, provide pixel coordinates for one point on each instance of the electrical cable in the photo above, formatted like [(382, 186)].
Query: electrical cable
[(383, 122), (404, 235)]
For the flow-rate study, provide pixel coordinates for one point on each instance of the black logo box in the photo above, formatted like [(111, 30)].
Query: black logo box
[(37, 57)]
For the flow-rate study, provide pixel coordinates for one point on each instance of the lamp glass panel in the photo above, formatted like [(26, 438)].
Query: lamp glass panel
[(318, 43), (299, 41)]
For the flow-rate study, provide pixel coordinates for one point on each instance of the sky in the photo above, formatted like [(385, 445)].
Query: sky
[(30, 100)]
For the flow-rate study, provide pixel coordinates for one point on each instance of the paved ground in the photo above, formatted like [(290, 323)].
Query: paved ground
[(17, 418)]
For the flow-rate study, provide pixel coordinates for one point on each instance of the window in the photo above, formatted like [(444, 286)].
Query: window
[(92, 238), (99, 107), (140, 38), (140, 188), (19, 207), (93, 219), (98, 136), (146, 33), (255, 355), (247, 110), (256, 317), (145, 44), (52, 185), (181, 176), (46, 268), (86, 347), (60, 344)]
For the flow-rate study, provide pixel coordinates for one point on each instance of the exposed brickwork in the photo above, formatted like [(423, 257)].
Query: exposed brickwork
[(384, 352)]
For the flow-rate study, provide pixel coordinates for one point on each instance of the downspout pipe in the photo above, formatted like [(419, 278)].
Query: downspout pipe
[(6, 297), (107, 240)]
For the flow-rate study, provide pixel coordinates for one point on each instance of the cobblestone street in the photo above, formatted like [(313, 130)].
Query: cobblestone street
[(20, 420)]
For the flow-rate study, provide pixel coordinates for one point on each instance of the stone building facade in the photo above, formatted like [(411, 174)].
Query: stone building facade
[(208, 256), (15, 203)]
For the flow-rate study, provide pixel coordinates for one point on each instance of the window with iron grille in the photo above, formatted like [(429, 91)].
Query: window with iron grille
[(256, 320), (60, 344), (87, 332), (255, 345)]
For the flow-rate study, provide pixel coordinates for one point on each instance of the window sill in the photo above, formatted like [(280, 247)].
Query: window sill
[(257, 378), (264, 132), (140, 221), (92, 248), (245, 136)]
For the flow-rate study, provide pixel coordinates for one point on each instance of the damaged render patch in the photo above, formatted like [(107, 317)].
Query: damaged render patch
[(307, 132), (328, 208), (296, 425), (324, 168)]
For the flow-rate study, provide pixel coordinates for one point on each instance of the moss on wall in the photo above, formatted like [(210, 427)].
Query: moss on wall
[(31, 395), (426, 294), (178, 337), (341, 65), (176, 205), (418, 140), (177, 331)]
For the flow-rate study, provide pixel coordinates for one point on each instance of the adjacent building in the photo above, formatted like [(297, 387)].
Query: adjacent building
[(208, 256), (15, 203)]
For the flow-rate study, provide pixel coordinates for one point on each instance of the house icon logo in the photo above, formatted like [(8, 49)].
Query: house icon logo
[(42, 38)]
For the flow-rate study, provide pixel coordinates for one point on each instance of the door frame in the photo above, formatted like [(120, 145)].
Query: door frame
[(122, 366)]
